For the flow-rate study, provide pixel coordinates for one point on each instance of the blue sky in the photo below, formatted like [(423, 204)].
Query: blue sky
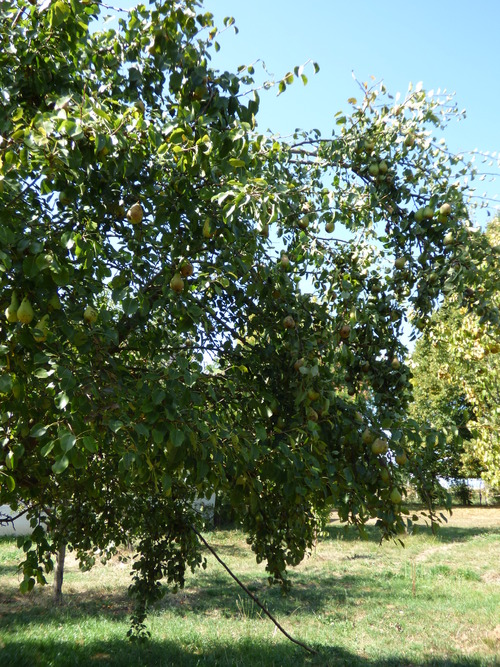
[(446, 44)]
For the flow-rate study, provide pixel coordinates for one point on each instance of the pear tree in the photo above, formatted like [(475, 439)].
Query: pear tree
[(157, 346)]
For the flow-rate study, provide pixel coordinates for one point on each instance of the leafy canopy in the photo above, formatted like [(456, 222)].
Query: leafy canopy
[(456, 371), (194, 306)]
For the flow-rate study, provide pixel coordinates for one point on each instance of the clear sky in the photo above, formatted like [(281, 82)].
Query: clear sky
[(446, 44)]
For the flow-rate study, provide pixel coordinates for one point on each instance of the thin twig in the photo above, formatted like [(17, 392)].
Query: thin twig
[(256, 600)]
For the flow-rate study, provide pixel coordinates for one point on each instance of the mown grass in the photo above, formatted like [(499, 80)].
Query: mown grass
[(435, 602)]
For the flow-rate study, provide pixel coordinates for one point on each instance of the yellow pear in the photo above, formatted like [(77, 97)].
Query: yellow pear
[(135, 214), (25, 312)]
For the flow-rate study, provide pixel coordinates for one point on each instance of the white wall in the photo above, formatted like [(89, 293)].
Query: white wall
[(21, 526)]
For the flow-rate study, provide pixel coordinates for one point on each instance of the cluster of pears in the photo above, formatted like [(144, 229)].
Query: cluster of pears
[(23, 313), (19, 313)]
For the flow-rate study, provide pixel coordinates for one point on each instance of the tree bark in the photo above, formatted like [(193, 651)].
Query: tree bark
[(59, 573)]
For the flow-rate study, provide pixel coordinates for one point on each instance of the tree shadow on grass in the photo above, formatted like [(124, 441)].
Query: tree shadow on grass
[(445, 533), (216, 596), (220, 653)]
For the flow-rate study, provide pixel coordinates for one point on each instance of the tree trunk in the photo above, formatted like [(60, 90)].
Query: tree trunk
[(59, 573)]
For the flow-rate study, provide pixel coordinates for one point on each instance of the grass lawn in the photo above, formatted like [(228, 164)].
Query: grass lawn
[(435, 602)]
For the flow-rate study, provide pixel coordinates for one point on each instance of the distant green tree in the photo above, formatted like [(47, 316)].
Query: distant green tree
[(456, 377)]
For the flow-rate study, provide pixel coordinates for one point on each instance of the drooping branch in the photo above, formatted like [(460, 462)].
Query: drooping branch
[(254, 598)]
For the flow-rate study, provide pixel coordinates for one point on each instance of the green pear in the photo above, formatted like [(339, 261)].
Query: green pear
[(299, 363), (90, 315), (11, 311), (379, 446), (345, 330), (25, 312), (419, 215), (40, 332), (264, 231), (312, 415), (186, 269), (396, 497), (289, 322), (207, 229), (284, 261), (401, 458), (177, 284), (367, 436)]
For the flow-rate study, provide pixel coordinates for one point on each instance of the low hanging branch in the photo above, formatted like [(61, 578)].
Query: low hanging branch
[(256, 600)]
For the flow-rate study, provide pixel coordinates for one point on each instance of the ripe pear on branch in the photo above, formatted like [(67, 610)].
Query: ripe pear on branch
[(207, 229), (25, 312), (186, 269), (135, 214), (90, 315), (11, 310), (177, 284), (40, 332)]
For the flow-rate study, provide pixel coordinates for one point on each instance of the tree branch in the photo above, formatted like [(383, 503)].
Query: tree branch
[(256, 600)]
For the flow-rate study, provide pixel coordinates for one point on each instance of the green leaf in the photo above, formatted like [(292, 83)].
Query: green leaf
[(115, 425), (26, 585), (61, 400), (46, 449), (140, 429), (38, 431), (90, 444), (66, 440), (260, 432), (42, 373), (61, 464), (5, 384), (8, 481), (177, 437)]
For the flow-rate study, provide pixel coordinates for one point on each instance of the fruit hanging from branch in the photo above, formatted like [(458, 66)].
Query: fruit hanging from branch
[(135, 214), (177, 283), (25, 312), (12, 308), (90, 315), (41, 328)]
